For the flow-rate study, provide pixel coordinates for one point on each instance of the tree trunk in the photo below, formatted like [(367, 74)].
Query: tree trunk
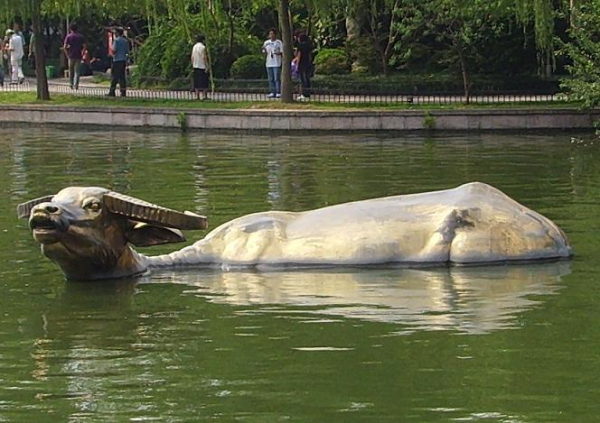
[(383, 53), (354, 22), (231, 18), (230, 42), (352, 29), (231, 39), (286, 38), (387, 54), (574, 12), (384, 64), (546, 63), (309, 23), (391, 40), (43, 93), (465, 76)]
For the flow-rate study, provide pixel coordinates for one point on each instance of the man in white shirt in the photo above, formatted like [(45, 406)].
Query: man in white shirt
[(17, 30), (199, 64), (273, 49), (15, 50)]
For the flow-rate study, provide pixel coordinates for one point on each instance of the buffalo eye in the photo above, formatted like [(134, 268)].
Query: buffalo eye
[(94, 206)]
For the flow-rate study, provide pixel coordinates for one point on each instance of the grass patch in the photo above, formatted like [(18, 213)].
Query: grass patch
[(26, 98), (101, 80)]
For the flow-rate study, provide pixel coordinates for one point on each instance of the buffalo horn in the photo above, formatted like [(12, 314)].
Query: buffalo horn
[(24, 209), (143, 211)]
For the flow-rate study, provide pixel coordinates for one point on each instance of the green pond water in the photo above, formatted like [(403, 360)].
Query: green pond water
[(516, 343)]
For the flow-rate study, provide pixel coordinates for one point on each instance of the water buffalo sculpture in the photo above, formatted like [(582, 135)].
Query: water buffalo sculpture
[(88, 233)]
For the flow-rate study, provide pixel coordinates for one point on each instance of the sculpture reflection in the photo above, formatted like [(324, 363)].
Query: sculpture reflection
[(111, 346), (471, 300), (87, 338)]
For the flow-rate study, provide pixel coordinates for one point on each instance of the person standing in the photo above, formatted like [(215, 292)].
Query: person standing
[(19, 32), (273, 49), (99, 58), (199, 64), (120, 50), (2, 66), (15, 50), (74, 45), (4, 57), (305, 65), (6, 71), (31, 55)]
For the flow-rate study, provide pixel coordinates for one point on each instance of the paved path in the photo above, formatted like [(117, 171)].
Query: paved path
[(90, 89)]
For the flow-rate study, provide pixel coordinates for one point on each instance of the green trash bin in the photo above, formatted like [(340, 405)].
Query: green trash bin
[(50, 71)]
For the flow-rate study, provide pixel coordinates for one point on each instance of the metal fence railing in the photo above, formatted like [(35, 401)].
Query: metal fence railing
[(254, 94)]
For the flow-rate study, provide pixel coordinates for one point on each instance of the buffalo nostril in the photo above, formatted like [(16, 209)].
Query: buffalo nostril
[(46, 208), (51, 209)]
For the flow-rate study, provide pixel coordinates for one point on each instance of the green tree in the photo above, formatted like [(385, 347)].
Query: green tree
[(369, 23), (455, 25), (543, 14), (584, 51), (31, 9), (36, 10), (383, 28)]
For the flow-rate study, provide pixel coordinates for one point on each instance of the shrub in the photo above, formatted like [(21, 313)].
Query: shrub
[(164, 57), (175, 60), (332, 61), (364, 56), (149, 57), (251, 66)]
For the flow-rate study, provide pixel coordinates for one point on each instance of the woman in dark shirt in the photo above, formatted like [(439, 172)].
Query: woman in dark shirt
[(305, 66)]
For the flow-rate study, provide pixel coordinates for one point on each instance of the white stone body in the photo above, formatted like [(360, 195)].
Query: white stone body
[(474, 223)]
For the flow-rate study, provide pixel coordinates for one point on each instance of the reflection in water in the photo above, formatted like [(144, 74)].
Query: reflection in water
[(471, 300), (88, 335), (115, 345), (196, 345)]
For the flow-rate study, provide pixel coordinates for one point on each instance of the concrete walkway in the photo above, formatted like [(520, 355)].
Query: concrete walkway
[(89, 89)]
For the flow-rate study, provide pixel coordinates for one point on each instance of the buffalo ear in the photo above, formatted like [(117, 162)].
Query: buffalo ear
[(24, 210), (145, 235)]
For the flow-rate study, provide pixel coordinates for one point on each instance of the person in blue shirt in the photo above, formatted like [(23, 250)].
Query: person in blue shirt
[(120, 53)]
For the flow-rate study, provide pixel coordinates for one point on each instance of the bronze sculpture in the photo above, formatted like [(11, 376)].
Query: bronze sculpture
[(88, 232)]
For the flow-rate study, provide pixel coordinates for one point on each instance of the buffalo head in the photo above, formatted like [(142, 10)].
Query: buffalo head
[(88, 231)]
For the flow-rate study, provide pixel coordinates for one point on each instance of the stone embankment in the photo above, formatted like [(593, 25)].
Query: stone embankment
[(304, 120)]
